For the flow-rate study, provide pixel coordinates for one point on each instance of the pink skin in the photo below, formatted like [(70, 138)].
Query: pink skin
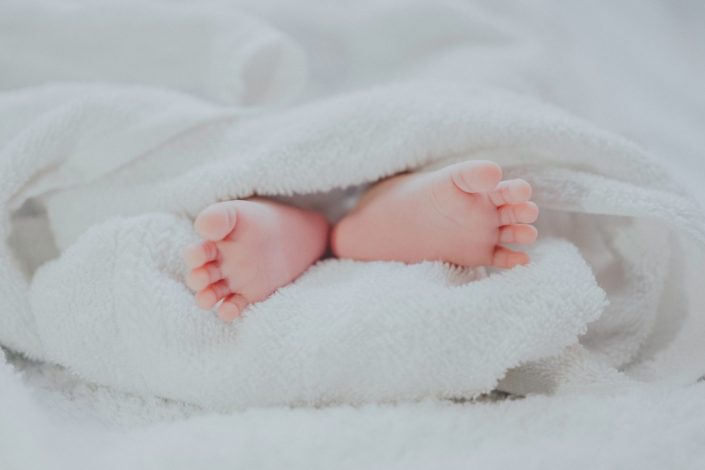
[(459, 214), (251, 248)]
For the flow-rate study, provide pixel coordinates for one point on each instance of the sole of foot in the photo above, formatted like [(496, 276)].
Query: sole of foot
[(462, 214), (250, 248)]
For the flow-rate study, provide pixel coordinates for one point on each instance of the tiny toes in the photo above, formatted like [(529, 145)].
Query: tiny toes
[(506, 258), (231, 307), (199, 254), (511, 192), (216, 222), (519, 233), (476, 176), (202, 277), (210, 296), (522, 213)]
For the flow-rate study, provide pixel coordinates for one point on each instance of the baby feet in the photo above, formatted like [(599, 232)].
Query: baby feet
[(251, 248), (461, 214)]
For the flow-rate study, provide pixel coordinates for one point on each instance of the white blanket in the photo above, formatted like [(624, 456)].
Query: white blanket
[(120, 170), (99, 181)]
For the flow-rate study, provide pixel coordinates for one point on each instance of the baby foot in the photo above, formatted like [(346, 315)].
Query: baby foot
[(460, 214), (251, 248)]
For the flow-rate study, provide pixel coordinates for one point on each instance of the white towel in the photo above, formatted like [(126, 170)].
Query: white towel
[(114, 172)]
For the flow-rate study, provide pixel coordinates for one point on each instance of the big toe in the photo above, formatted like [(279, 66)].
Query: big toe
[(476, 176), (216, 222)]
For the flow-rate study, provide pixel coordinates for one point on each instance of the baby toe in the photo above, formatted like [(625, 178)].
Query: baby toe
[(231, 307), (522, 213), (511, 192), (204, 276), (519, 233), (210, 296), (506, 258), (200, 253)]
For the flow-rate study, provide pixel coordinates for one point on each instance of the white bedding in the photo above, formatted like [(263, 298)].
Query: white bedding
[(475, 75)]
